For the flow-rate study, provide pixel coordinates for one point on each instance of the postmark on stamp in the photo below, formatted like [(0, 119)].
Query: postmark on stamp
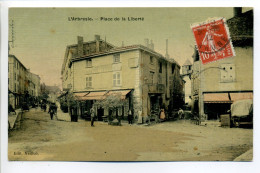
[(213, 40)]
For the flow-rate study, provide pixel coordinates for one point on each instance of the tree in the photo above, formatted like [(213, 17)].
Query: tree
[(72, 106), (112, 102)]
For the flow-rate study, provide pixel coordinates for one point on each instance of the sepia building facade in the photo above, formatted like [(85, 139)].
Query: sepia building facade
[(21, 82), (145, 79), (215, 86), (16, 81)]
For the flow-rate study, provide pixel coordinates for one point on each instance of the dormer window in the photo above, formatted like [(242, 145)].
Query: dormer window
[(116, 58), (89, 63)]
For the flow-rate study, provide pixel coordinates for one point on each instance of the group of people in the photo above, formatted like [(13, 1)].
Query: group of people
[(162, 115)]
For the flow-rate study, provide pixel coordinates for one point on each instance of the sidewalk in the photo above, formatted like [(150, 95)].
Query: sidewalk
[(61, 116), (247, 156), (12, 118)]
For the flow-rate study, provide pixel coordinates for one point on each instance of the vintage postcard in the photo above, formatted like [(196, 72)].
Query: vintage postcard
[(130, 84)]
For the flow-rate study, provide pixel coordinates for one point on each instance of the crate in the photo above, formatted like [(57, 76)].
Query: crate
[(225, 120)]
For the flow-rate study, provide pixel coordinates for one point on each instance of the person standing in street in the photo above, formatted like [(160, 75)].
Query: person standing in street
[(130, 117), (162, 115), (180, 113), (92, 115), (51, 111)]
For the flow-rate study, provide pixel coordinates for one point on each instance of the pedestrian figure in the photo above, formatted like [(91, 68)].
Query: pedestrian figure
[(51, 111), (162, 115), (180, 113), (130, 117), (11, 109), (55, 108), (44, 107), (119, 117), (92, 115)]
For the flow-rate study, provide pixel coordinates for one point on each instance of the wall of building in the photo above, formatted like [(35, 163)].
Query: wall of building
[(155, 82), (67, 73), (102, 72), (36, 82), (16, 80), (11, 81), (187, 89), (213, 78)]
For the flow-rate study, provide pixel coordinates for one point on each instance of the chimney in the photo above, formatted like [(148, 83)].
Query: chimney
[(97, 39), (167, 55), (80, 46), (105, 43), (146, 42), (152, 45), (237, 11), (123, 44)]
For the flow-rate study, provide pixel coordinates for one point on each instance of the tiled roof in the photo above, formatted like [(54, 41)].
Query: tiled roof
[(122, 49)]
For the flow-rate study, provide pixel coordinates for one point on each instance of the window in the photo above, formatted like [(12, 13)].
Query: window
[(89, 63), (116, 79), (88, 82), (116, 58), (151, 60), (173, 68), (160, 67), (227, 73)]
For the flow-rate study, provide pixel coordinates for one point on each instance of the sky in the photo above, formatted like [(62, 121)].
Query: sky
[(42, 34)]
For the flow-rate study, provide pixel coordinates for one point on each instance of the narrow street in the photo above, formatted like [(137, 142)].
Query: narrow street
[(41, 138)]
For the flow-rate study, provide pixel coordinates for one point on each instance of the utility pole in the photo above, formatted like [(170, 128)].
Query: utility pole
[(11, 35)]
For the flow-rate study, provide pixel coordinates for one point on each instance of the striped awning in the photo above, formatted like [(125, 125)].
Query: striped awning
[(216, 98), (79, 96), (99, 95), (121, 93), (95, 95), (241, 96)]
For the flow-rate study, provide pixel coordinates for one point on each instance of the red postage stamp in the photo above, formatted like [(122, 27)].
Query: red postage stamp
[(213, 40)]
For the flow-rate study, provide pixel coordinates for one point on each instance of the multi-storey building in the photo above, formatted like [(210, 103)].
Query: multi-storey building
[(21, 83), (17, 84), (145, 79), (33, 84), (35, 79), (218, 84)]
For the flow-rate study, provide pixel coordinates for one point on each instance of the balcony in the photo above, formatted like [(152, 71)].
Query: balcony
[(156, 88)]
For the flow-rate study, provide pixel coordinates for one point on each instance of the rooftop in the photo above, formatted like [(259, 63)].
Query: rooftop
[(124, 49)]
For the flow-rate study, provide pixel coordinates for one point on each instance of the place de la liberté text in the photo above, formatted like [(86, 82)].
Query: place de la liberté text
[(105, 19)]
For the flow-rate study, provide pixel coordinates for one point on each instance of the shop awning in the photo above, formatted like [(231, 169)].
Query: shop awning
[(241, 96), (216, 98), (79, 96), (121, 93), (98, 95)]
